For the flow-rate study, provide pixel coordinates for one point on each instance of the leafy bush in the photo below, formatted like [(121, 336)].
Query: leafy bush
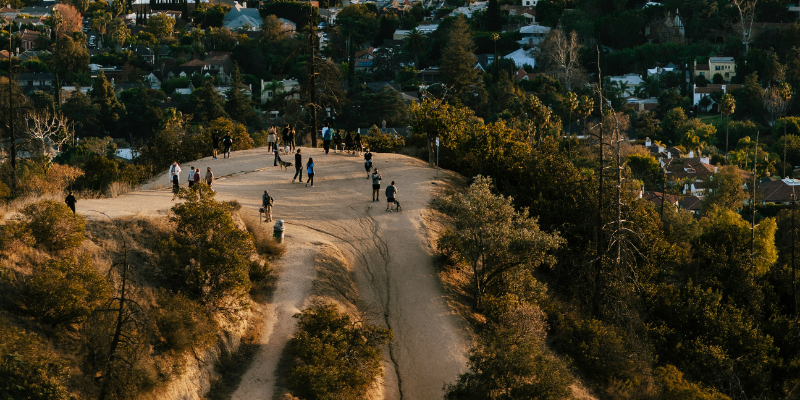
[(54, 225), (382, 142), (510, 361), (66, 290), (208, 258), (14, 235), (334, 356), (675, 387), (182, 324), (27, 370)]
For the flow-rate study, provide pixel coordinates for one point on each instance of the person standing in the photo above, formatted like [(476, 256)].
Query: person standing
[(310, 172), (368, 162), (376, 185), (391, 191), (284, 133), (227, 141), (298, 166), (271, 138), (348, 143), (197, 176), (326, 138), (191, 176), (359, 145), (337, 141), (266, 203), (174, 176), (209, 178), (70, 200), (214, 144), (292, 138)]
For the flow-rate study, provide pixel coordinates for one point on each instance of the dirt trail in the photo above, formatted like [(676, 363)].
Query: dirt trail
[(390, 258)]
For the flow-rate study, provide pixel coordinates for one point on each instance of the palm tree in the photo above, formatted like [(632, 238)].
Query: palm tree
[(416, 45), (727, 105)]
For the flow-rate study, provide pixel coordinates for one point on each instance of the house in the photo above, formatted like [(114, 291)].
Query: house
[(37, 11), (522, 75), (699, 92), (532, 35), (725, 66), (484, 60), (691, 204), (659, 70), (147, 54), (782, 191), (152, 81), (29, 39), (27, 55), (365, 59), (329, 15), (657, 197), (469, 9), (242, 18), (35, 80), (528, 13), (272, 89), (640, 105), (521, 57), (669, 29), (628, 81), (430, 75), (529, 3)]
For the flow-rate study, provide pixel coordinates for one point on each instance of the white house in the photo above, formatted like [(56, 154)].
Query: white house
[(532, 35), (270, 89), (521, 57), (629, 80), (240, 17)]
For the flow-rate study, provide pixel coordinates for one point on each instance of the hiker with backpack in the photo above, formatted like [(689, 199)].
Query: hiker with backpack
[(376, 185), (310, 172), (368, 162)]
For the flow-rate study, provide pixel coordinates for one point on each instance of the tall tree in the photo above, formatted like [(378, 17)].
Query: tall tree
[(458, 60), (356, 25), (70, 20), (206, 103), (239, 105), (727, 106), (69, 58), (104, 98), (160, 25), (494, 17), (747, 15), (492, 239), (561, 50), (14, 109)]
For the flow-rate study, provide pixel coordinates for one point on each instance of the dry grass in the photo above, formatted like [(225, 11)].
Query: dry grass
[(231, 366), (334, 282), (262, 237)]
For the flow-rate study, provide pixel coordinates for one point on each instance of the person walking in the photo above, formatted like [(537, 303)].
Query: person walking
[(271, 138), (266, 204), (197, 176), (348, 144), (227, 141), (277, 157), (368, 162), (209, 178), (337, 141), (70, 200), (376, 185), (284, 134), (214, 144), (326, 138), (191, 176), (391, 191), (298, 166), (310, 172)]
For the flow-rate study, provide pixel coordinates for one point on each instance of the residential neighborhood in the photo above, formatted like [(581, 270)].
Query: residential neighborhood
[(583, 199)]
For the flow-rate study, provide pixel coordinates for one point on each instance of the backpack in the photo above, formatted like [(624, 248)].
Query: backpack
[(227, 141)]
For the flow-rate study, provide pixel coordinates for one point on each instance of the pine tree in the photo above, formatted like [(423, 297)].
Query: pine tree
[(494, 19), (104, 97), (458, 60), (239, 105)]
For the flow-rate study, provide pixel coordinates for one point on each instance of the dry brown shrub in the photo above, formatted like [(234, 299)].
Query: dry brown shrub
[(262, 238), (56, 180)]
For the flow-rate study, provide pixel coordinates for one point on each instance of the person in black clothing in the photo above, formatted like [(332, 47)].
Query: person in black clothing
[(298, 166), (70, 200), (227, 141), (214, 144), (367, 162)]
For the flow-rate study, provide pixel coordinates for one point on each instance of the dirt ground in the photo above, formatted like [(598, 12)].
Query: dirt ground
[(388, 252)]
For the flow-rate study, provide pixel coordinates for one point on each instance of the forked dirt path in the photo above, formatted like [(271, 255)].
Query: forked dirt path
[(388, 251)]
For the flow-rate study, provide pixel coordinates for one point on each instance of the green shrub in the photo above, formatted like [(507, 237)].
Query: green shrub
[(675, 387), (208, 258), (381, 142), (182, 324), (54, 225), (334, 356), (66, 290), (27, 369)]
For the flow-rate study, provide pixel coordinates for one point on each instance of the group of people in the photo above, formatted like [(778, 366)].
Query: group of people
[(227, 142), (194, 176), (350, 144), (287, 138)]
